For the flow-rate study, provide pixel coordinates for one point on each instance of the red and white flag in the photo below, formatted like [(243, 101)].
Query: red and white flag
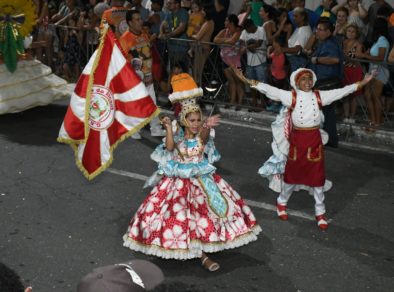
[(109, 104)]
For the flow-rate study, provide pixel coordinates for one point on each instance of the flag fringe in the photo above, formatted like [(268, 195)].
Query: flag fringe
[(111, 149)]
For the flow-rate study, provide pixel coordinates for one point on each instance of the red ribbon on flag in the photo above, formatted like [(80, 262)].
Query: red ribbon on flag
[(109, 104)]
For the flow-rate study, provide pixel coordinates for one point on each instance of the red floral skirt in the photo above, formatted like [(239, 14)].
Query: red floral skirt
[(176, 220)]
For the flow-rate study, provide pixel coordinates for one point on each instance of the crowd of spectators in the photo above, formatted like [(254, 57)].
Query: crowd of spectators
[(267, 41)]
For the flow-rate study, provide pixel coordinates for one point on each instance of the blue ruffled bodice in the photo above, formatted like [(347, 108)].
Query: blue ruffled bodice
[(190, 159)]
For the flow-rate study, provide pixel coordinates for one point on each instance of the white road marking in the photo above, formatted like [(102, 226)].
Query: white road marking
[(128, 174), (256, 204)]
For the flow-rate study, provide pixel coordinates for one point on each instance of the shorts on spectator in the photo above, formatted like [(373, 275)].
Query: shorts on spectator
[(257, 72), (383, 73)]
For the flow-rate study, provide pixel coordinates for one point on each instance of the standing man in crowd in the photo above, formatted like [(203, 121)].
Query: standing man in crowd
[(327, 62), (137, 5), (175, 26), (138, 48), (253, 40), (313, 18)]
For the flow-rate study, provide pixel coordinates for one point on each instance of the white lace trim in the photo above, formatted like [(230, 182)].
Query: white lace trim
[(196, 247)]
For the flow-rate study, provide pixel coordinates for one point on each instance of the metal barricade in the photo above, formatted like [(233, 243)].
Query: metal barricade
[(210, 76)]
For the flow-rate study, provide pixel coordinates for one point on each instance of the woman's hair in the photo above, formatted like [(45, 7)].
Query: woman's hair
[(356, 28), (270, 10), (343, 9), (209, 13), (282, 10), (380, 28), (232, 18)]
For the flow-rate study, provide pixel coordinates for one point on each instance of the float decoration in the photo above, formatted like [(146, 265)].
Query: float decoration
[(17, 20)]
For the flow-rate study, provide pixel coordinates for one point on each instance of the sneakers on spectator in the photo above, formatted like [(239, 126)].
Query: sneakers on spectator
[(136, 136)]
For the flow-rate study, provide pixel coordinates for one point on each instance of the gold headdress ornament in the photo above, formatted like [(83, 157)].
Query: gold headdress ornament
[(185, 91)]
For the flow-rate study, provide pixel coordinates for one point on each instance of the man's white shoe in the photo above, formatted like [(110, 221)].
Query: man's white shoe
[(136, 136), (157, 133)]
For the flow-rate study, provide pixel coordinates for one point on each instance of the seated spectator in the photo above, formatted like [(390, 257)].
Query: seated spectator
[(10, 280), (202, 51), (312, 17), (196, 18), (341, 24), (353, 72), (373, 91), (356, 14), (253, 43), (137, 275), (231, 57), (324, 10), (298, 40)]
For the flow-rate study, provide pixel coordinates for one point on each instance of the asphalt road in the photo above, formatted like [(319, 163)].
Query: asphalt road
[(56, 226)]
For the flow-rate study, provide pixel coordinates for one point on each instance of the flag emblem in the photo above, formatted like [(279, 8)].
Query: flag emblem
[(102, 108)]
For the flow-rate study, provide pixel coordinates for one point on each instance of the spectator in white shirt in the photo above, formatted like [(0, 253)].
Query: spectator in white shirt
[(253, 40), (298, 39)]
